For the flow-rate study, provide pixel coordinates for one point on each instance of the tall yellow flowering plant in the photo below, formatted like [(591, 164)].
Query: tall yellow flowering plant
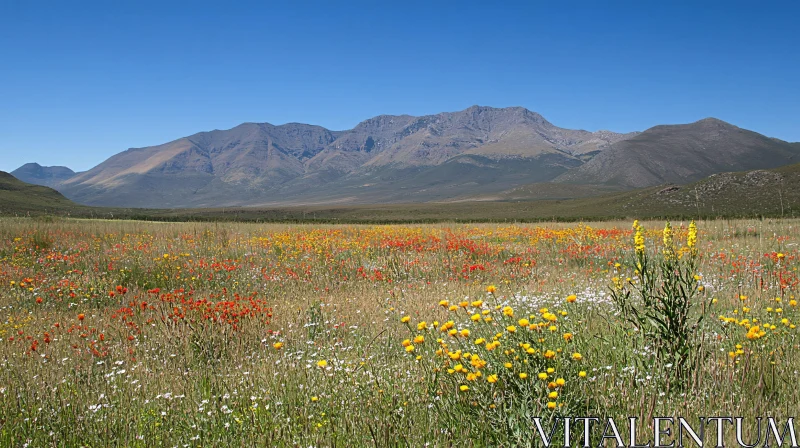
[(663, 305)]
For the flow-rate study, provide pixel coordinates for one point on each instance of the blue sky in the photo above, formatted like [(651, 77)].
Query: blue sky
[(81, 81)]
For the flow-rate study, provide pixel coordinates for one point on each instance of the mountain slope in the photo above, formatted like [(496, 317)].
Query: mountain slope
[(50, 176), (19, 197), (681, 154), (386, 158)]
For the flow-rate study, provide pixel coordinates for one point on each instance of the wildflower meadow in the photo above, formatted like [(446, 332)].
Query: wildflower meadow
[(126, 333)]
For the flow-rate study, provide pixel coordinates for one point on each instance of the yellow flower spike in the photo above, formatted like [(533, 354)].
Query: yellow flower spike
[(691, 239), (638, 239), (668, 239)]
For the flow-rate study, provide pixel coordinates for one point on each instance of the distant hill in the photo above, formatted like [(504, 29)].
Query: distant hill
[(774, 192), (681, 154), (17, 197), (480, 153), (383, 159), (50, 176)]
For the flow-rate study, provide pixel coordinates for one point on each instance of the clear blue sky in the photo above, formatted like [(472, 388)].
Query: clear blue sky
[(81, 81)]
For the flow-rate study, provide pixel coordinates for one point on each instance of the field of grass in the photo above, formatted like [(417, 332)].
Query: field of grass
[(129, 333)]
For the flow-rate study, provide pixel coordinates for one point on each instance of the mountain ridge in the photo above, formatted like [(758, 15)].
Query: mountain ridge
[(479, 151), (255, 163)]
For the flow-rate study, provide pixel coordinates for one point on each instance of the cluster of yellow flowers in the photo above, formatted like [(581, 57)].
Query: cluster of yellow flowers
[(524, 351)]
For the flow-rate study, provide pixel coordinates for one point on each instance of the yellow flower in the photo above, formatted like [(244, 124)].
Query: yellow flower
[(542, 376), (444, 303), (668, 239), (491, 289), (577, 356), (582, 374), (453, 307), (638, 238), (315, 399), (508, 365), (465, 332), (477, 303), (524, 322), (278, 345), (491, 378), (322, 363), (552, 394), (405, 319), (406, 342), (567, 336), (463, 304), (464, 388), (475, 317), (419, 339), (551, 405), (410, 348), (422, 326), (549, 354), (523, 375), (691, 239), (571, 298), (511, 329), (508, 311), (561, 382)]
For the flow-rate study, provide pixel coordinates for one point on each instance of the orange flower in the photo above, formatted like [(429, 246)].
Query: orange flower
[(81, 316)]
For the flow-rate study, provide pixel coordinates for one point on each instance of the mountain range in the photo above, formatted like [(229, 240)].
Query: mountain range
[(477, 152)]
